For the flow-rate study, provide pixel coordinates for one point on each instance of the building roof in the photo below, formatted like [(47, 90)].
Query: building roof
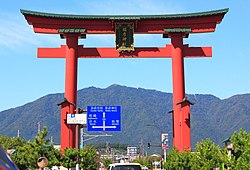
[(125, 17), (227, 140)]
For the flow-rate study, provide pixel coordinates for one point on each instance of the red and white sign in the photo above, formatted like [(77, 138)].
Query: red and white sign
[(164, 141)]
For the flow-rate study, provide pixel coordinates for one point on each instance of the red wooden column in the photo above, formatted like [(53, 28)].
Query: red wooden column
[(185, 124), (178, 91), (68, 131)]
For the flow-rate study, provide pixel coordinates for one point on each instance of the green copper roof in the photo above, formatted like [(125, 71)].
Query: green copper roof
[(124, 17), (71, 30), (186, 30)]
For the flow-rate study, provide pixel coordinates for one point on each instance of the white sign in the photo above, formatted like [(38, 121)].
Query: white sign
[(77, 119)]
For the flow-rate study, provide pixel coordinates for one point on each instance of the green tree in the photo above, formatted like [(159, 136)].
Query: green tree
[(69, 158), (241, 153), (54, 156), (144, 161), (106, 162), (11, 143), (209, 156), (176, 160), (89, 158), (28, 154)]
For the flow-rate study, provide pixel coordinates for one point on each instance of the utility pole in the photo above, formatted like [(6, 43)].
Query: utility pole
[(141, 152), (77, 144), (38, 128), (51, 139), (18, 133), (78, 128)]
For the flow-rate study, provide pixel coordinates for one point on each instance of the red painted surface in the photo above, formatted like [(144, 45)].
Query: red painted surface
[(150, 52), (64, 127), (178, 85), (177, 51), (68, 131), (106, 26), (185, 126)]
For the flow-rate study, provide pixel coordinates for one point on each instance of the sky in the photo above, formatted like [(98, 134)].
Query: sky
[(25, 78)]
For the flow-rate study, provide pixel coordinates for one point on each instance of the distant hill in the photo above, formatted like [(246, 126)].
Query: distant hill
[(211, 117)]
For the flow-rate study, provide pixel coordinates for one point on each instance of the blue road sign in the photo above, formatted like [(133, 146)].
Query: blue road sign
[(104, 118)]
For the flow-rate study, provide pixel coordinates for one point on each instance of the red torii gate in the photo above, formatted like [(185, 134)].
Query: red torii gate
[(176, 27)]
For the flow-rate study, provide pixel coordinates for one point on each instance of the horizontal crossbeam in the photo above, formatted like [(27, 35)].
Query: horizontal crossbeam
[(144, 52)]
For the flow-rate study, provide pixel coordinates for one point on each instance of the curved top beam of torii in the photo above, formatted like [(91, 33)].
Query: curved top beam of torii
[(144, 24), (104, 24)]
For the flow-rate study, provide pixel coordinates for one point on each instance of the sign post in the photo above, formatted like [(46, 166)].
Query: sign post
[(104, 118)]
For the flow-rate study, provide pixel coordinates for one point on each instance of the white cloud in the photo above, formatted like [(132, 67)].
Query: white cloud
[(16, 33)]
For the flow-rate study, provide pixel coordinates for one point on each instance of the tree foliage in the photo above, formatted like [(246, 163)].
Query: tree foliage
[(209, 155), (11, 143), (144, 161), (69, 158), (28, 153), (106, 162), (88, 158), (241, 150), (176, 160), (206, 156)]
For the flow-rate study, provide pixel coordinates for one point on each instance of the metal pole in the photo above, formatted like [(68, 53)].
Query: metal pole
[(82, 142), (165, 155), (38, 128), (77, 142)]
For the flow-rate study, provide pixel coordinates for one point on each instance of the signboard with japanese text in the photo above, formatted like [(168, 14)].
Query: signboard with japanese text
[(104, 118), (77, 119), (124, 36), (164, 141)]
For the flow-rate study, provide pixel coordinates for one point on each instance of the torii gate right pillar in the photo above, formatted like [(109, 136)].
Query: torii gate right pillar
[(178, 87), (181, 106)]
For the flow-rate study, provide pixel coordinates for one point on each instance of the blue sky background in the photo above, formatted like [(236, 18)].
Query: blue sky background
[(25, 78)]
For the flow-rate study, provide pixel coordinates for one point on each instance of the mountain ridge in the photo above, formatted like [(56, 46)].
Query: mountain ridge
[(210, 116)]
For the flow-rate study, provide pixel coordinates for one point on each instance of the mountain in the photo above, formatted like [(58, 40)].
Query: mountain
[(211, 117)]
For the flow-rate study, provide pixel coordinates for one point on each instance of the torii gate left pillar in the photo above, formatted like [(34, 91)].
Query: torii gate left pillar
[(68, 138)]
